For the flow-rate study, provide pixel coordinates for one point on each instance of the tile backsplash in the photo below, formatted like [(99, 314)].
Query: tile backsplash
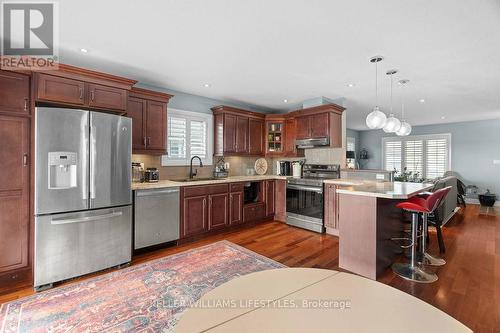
[(238, 166)]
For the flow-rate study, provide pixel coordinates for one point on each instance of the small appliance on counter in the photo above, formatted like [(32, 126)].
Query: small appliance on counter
[(297, 169), (283, 168), (137, 172), (152, 175)]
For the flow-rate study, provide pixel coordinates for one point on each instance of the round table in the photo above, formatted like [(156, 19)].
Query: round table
[(312, 300)]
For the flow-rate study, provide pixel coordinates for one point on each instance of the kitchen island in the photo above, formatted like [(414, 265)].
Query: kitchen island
[(367, 220)]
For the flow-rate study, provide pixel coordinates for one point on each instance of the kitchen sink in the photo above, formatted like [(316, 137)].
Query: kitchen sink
[(197, 179)]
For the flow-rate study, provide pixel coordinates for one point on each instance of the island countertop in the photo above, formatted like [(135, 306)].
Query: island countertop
[(387, 190), (174, 183)]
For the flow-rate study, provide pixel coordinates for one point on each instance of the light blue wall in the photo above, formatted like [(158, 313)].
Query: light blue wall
[(196, 103), (354, 134), (474, 146)]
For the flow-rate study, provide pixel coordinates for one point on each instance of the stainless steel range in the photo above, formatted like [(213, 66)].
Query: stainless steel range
[(304, 196)]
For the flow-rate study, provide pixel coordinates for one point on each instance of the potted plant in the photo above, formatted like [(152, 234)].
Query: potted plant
[(408, 176)]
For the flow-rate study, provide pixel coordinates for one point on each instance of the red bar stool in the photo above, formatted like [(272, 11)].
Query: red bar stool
[(418, 205)]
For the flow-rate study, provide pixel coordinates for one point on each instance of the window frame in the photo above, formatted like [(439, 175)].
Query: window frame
[(423, 138), (191, 116)]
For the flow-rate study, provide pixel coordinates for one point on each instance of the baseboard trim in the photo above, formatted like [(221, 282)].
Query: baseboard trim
[(332, 231)]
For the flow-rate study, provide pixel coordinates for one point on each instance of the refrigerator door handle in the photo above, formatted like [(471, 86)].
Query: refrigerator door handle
[(93, 149), (86, 218)]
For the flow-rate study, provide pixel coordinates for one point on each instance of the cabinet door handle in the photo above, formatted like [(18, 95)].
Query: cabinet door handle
[(149, 141), (25, 104), (145, 144), (25, 160), (81, 93), (92, 95)]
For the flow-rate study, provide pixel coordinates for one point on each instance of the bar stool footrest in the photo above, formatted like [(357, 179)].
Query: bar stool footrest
[(415, 273), (428, 260)]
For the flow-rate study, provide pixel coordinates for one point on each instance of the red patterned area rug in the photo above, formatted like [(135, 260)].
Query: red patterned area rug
[(149, 297)]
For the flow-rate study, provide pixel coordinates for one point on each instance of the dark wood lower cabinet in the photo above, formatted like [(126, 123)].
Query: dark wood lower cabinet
[(254, 212), (331, 203), (194, 216), (236, 208), (207, 208), (270, 188), (15, 266), (218, 211)]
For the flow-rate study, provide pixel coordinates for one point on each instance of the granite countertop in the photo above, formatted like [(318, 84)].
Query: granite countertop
[(387, 190), (173, 183)]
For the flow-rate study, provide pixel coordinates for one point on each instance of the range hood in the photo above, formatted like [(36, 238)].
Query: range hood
[(313, 143)]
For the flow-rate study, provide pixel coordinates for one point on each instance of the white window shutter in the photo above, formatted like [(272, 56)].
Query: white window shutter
[(437, 157), (392, 151), (177, 134), (198, 138), (429, 155), (414, 156)]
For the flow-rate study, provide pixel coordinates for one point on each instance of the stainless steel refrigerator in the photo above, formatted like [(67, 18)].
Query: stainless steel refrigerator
[(83, 214)]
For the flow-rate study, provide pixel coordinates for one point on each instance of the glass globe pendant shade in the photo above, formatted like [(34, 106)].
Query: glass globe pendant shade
[(376, 119), (405, 129), (392, 124)]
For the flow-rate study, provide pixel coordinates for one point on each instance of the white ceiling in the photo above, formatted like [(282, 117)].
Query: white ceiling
[(263, 51)]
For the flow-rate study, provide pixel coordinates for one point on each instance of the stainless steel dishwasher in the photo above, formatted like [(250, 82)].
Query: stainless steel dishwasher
[(156, 216)]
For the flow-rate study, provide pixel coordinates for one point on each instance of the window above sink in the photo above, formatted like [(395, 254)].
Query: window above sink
[(188, 134)]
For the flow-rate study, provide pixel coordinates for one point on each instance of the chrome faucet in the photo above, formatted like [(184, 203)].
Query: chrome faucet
[(191, 173)]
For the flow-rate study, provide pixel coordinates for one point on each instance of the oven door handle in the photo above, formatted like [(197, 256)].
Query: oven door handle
[(305, 188)]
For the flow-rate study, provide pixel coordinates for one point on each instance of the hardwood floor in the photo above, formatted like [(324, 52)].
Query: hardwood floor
[(468, 287)]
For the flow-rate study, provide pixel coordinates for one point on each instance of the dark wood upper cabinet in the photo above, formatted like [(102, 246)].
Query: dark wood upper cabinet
[(60, 90), (320, 122), (256, 136), (148, 110), (238, 132), (218, 211), (73, 86), (14, 93), (303, 128), (290, 137), (107, 97), (136, 110), (229, 133), (14, 198), (242, 134), (270, 188), (156, 124), (320, 125)]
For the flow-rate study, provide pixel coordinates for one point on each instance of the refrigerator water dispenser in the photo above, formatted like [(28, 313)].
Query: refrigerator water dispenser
[(62, 170)]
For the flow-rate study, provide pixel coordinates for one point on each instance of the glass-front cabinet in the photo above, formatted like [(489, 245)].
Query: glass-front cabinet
[(275, 130)]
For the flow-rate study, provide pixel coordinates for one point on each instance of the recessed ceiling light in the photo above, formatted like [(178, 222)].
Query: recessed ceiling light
[(350, 85), (207, 85), (84, 50), (443, 117), (422, 100), (285, 101)]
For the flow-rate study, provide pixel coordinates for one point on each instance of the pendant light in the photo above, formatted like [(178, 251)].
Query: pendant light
[(405, 126), (392, 123), (376, 119)]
